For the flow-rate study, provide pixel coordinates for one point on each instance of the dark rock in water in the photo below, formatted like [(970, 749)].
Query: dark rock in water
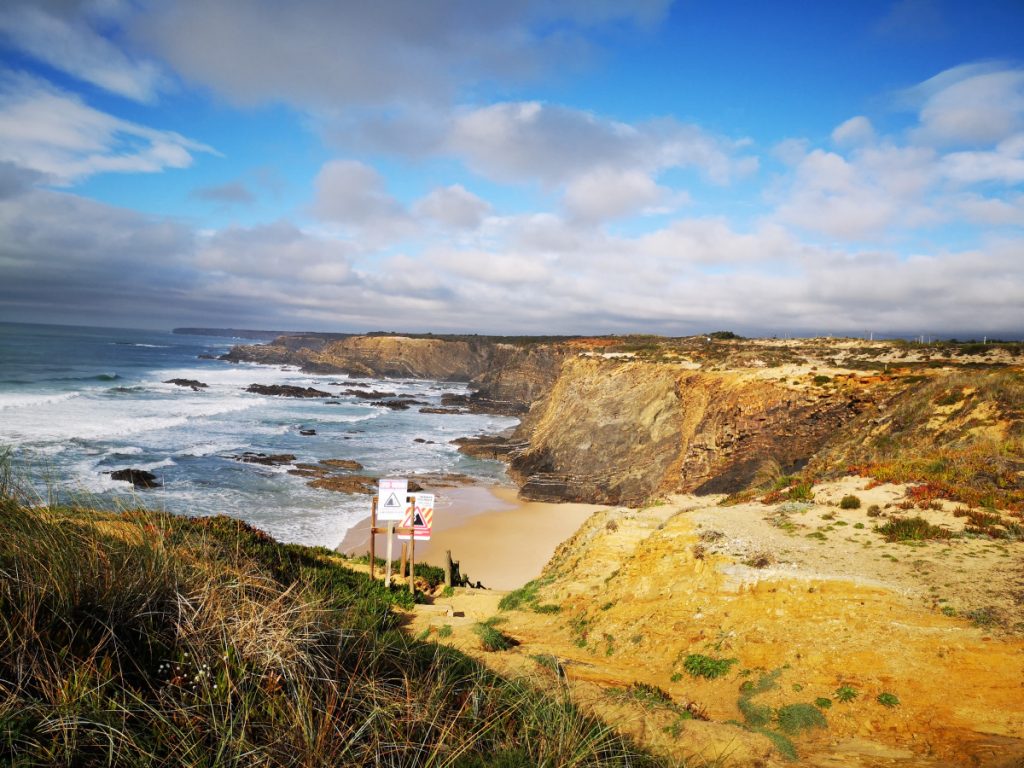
[(394, 405), (333, 402), (194, 384), (369, 394), (450, 399), (206, 356), (424, 441), (140, 478), (285, 390), (271, 460), (307, 432), (341, 463), (346, 484), (488, 446), (443, 410), (401, 404)]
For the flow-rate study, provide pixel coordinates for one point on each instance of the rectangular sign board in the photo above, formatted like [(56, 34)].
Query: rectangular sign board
[(419, 516), (391, 493)]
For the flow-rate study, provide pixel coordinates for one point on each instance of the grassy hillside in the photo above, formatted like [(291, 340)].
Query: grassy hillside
[(145, 639)]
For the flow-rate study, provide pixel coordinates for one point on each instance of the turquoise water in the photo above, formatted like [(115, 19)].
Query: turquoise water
[(78, 402)]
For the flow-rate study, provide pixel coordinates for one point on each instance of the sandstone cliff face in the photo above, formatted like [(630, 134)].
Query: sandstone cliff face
[(619, 433)]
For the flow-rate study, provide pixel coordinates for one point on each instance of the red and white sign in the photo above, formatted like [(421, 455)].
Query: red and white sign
[(419, 516)]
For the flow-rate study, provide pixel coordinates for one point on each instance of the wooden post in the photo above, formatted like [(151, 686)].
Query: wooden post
[(412, 562), (373, 535), (405, 553), (387, 570), (447, 568)]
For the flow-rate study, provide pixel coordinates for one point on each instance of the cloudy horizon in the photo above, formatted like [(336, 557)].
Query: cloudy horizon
[(548, 168)]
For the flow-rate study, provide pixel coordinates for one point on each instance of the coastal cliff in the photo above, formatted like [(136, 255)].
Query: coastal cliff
[(622, 420), (619, 432), (505, 377)]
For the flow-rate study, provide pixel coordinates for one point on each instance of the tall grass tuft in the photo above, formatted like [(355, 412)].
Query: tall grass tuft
[(145, 639)]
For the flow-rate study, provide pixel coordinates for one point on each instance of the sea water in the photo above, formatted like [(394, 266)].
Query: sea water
[(77, 403)]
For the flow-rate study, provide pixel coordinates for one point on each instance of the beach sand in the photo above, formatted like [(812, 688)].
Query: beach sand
[(498, 539)]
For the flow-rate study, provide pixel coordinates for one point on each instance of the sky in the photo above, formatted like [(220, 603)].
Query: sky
[(518, 167)]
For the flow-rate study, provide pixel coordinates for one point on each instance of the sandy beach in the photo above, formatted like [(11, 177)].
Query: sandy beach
[(499, 540)]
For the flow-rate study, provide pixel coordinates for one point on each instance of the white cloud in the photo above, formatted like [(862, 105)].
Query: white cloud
[(1004, 164), (609, 194), (65, 36), (354, 195), (323, 54), (856, 130), (992, 211), (279, 252), (454, 207), (531, 141), (57, 134), (970, 104)]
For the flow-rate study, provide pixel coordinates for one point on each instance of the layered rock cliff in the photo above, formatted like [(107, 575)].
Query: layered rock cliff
[(505, 377), (620, 432)]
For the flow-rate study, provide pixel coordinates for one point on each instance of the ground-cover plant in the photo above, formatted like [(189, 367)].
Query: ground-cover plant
[(145, 639), (846, 693), (849, 502), (912, 529), (528, 596), (889, 700), (793, 718), (709, 667), (492, 638)]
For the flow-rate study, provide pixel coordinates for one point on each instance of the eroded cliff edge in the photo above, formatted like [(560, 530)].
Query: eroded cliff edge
[(505, 376), (621, 432), (623, 420)]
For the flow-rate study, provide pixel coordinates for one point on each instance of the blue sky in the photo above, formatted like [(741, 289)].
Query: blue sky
[(583, 166)]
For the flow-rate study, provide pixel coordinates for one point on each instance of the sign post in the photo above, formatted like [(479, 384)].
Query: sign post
[(413, 513)]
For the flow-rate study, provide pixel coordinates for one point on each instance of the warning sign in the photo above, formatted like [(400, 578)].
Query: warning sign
[(391, 495), (419, 516)]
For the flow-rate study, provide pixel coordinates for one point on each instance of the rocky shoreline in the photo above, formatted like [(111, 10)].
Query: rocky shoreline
[(615, 421)]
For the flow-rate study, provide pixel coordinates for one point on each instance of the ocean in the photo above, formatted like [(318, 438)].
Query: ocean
[(77, 402)]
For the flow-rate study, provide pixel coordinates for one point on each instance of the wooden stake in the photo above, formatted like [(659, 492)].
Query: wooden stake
[(412, 562), (373, 535), (448, 568), (405, 553), (387, 570)]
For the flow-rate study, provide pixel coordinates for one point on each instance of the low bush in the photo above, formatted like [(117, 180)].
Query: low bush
[(849, 502), (912, 529), (709, 667)]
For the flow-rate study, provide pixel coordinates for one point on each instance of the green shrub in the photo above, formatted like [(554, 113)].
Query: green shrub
[(849, 502), (823, 703), (801, 492), (794, 718), (492, 638), (888, 700), (710, 667), (912, 529), (846, 693)]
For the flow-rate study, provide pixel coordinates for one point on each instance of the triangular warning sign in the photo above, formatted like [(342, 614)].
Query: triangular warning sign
[(393, 502), (419, 521)]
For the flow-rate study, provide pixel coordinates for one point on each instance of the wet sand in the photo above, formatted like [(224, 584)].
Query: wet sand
[(498, 539)]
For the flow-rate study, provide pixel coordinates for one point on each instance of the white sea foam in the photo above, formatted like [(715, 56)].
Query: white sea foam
[(10, 400)]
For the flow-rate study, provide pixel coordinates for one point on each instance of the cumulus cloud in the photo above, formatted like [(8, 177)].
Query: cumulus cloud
[(354, 195), (56, 133), (608, 194), (66, 36), (862, 196), (970, 104), (454, 207), (324, 54), (856, 130), (529, 141)]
